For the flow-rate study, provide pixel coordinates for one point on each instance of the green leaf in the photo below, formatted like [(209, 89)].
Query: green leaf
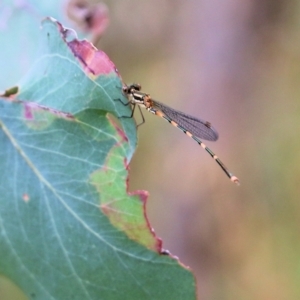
[(19, 31), (68, 227)]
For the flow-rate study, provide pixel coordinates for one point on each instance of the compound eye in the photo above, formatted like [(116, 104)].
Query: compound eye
[(137, 86)]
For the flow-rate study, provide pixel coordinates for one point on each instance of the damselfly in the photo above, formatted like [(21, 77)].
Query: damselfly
[(193, 127)]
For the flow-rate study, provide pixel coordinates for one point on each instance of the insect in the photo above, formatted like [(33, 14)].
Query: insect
[(193, 127)]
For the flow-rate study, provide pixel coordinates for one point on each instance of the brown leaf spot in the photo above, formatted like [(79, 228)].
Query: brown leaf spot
[(11, 92), (26, 197), (28, 112), (128, 214), (93, 60)]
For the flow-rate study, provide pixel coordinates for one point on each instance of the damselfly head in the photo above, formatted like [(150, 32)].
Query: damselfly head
[(129, 89)]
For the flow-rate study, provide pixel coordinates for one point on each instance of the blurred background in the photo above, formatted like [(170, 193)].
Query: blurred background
[(237, 65)]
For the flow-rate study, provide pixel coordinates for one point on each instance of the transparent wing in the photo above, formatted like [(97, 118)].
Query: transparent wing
[(197, 127)]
